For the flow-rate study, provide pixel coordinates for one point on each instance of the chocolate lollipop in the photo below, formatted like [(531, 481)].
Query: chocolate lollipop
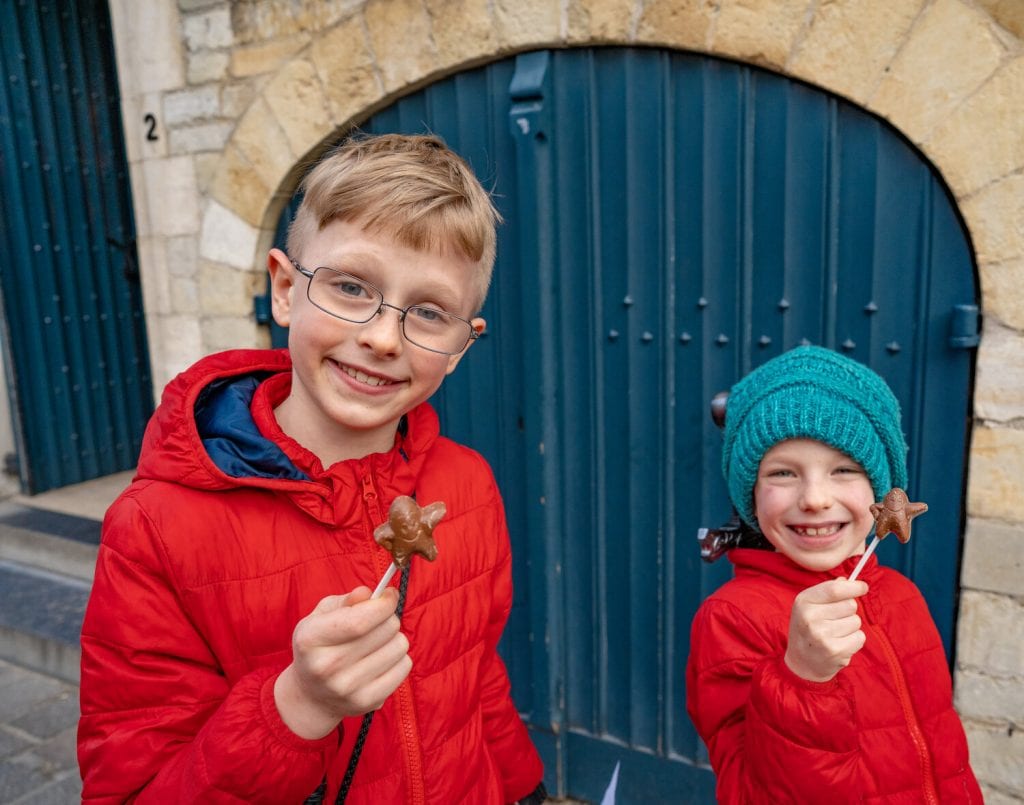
[(409, 530), (892, 516), (894, 513)]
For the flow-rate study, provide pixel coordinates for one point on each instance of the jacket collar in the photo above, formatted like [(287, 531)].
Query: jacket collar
[(752, 560), (215, 430)]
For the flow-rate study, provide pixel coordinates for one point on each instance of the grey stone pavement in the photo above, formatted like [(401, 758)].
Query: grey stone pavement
[(47, 550), (38, 721)]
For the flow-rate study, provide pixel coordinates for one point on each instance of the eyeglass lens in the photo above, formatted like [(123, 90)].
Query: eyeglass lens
[(352, 299)]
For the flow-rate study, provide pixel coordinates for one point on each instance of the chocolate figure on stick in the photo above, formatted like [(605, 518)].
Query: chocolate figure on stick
[(409, 530), (892, 516)]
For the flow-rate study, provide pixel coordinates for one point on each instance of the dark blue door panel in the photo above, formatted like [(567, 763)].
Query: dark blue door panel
[(74, 337)]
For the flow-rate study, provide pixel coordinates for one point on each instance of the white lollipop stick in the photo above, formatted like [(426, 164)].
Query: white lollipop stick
[(864, 558), (388, 575)]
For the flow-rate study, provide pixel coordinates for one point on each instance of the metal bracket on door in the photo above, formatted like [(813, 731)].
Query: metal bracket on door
[(963, 327), (528, 116)]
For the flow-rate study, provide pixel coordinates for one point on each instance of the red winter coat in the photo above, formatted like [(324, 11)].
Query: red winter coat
[(228, 536), (882, 730)]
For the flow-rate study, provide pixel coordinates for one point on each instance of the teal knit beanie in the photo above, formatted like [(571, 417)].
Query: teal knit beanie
[(812, 393)]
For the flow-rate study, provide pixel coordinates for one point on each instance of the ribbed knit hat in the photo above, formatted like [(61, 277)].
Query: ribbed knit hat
[(812, 393)]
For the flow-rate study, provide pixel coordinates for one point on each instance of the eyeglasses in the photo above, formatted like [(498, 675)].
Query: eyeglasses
[(354, 300)]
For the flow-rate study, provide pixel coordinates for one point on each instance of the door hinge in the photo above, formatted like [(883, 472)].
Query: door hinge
[(963, 329), (528, 115), (261, 308)]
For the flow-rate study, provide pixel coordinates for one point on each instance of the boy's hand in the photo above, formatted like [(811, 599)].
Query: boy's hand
[(824, 629), (348, 656)]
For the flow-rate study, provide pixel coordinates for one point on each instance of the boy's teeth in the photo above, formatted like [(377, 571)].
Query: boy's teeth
[(824, 531), (362, 377)]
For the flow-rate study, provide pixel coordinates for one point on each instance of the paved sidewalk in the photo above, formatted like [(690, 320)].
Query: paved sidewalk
[(38, 711), (38, 720)]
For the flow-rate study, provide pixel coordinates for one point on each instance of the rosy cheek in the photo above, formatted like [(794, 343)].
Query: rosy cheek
[(771, 500), (764, 493), (762, 500)]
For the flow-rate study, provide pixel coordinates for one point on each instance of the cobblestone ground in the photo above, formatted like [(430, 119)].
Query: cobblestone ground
[(38, 719)]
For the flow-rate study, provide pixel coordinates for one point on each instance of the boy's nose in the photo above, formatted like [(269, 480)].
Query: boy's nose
[(815, 495), (383, 333)]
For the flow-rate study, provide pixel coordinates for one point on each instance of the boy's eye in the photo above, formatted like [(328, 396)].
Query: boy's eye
[(429, 315), (779, 473), (348, 286)]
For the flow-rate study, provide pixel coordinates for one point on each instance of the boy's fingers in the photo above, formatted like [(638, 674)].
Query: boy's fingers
[(351, 598), (380, 685), (851, 589), (369, 642), (834, 590), (357, 595), (351, 624), (843, 627), (339, 619), (329, 603), (380, 659)]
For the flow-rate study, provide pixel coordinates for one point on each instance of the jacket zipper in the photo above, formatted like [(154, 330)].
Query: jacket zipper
[(913, 725), (413, 755), (370, 498), (414, 760)]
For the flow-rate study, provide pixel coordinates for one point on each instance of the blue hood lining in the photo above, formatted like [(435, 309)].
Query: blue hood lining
[(230, 435)]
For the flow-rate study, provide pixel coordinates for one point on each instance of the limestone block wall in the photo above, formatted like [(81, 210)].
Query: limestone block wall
[(242, 93)]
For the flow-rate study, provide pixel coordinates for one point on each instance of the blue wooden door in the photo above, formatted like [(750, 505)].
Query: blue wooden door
[(73, 336), (671, 222)]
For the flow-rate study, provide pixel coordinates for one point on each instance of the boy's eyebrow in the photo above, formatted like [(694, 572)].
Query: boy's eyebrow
[(775, 462), (339, 261), (443, 294)]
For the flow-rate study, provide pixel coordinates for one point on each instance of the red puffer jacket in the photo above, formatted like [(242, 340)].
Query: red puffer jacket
[(882, 730), (229, 535)]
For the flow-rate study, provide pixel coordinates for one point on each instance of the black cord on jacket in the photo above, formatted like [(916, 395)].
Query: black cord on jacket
[(317, 797)]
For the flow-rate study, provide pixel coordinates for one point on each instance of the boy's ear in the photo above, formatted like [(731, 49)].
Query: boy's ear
[(479, 325), (282, 283)]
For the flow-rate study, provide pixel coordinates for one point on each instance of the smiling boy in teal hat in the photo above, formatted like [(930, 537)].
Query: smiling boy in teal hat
[(806, 686)]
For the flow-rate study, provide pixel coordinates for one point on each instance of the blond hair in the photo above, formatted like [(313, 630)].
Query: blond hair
[(412, 188)]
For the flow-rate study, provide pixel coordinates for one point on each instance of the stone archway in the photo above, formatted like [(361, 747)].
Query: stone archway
[(959, 110)]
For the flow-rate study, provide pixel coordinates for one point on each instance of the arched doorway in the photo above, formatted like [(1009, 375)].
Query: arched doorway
[(673, 220)]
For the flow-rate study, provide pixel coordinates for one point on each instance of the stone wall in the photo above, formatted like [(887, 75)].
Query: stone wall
[(245, 92)]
